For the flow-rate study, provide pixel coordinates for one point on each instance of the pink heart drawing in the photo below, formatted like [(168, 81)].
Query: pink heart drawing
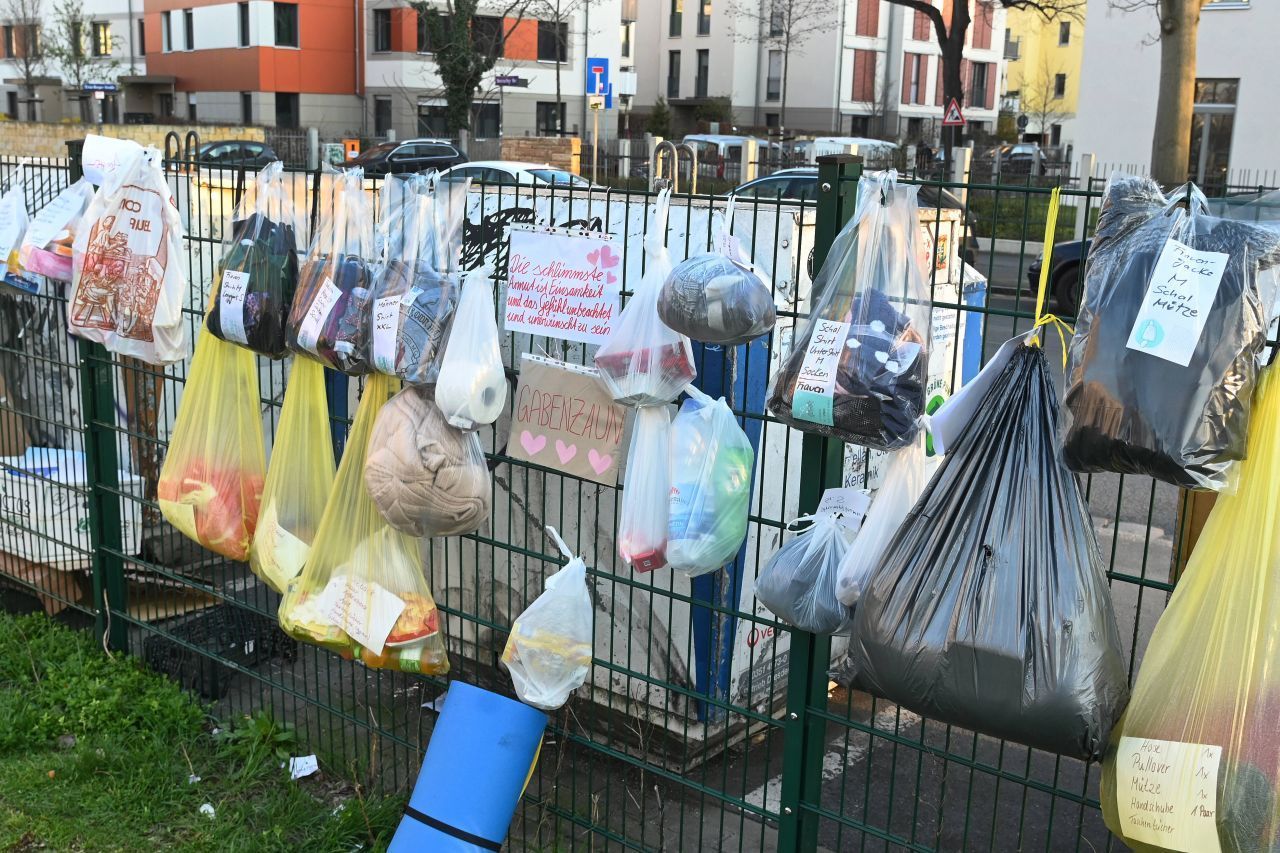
[(531, 443), (607, 258), (593, 257), (565, 451), (599, 461), (612, 278)]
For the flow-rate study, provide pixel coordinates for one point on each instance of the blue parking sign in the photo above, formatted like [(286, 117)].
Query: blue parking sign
[(598, 79)]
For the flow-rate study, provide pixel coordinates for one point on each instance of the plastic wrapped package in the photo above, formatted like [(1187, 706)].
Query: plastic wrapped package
[(426, 477), (210, 486), (362, 591), (472, 388), (13, 225), (548, 652), (859, 367), (1151, 389), (990, 608), (259, 268), (299, 479), (904, 479), (129, 268), (799, 582), (710, 460), (718, 297), (328, 319), (1194, 763), (645, 362), (642, 520), (47, 246)]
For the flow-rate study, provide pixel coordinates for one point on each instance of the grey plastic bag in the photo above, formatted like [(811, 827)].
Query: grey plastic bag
[(799, 582)]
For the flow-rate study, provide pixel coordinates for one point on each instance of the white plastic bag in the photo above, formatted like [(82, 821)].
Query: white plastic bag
[(799, 582), (128, 268), (710, 463), (13, 225), (46, 248), (548, 653), (904, 479), (642, 525), (645, 362), (472, 388)]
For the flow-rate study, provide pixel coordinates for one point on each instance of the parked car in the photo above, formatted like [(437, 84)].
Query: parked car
[(409, 156), (1066, 275), (514, 172), (235, 152), (720, 155)]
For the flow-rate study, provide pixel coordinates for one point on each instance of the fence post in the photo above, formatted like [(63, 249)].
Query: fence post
[(1082, 204), (98, 405), (960, 172), (822, 462), (313, 149)]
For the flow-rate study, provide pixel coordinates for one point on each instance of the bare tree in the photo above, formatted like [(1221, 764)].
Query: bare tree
[(1038, 97), (784, 25), (25, 15), (560, 14), (70, 45)]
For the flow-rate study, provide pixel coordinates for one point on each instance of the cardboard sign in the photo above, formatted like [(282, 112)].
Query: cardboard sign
[(563, 284), (565, 418)]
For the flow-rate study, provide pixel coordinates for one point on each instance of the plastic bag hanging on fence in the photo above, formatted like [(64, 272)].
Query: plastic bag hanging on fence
[(1151, 390), (299, 479), (904, 479), (710, 460), (799, 582), (13, 226), (644, 362), (259, 269), (859, 367), (472, 388), (210, 486), (718, 296), (1194, 763), (426, 477), (362, 591), (328, 319), (990, 607), (128, 267), (548, 652), (642, 520), (47, 246)]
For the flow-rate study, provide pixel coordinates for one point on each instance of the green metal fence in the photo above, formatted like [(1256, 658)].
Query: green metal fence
[(707, 724)]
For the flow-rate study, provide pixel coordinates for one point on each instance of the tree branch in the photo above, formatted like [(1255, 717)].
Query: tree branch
[(1051, 10)]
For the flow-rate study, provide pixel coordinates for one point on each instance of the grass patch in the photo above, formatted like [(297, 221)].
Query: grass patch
[(99, 754), (1017, 216)]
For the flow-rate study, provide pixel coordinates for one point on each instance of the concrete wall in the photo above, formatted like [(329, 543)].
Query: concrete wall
[(47, 139)]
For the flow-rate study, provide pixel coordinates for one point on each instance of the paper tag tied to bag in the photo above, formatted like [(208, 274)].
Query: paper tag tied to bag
[(283, 551), (1176, 305), (813, 399), (365, 610), (317, 313), (1167, 793), (52, 218), (847, 506), (231, 293), (386, 328)]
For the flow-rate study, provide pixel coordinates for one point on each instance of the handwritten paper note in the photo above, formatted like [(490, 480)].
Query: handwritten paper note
[(366, 610), (849, 506), (317, 313), (816, 382), (563, 285), (1167, 793), (104, 157), (235, 283), (1177, 302), (53, 217), (386, 326)]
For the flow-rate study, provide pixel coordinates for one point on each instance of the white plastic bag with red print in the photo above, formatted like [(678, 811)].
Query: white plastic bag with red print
[(128, 270)]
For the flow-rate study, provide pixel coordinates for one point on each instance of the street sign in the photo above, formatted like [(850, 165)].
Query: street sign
[(101, 87), (598, 79), (595, 102), (1023, 121), (511, 80), (953, 117)]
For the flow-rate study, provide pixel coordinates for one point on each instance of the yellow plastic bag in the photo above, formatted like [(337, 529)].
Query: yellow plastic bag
[(363, 592), (298, 482), (211, 482), (1194, 763)]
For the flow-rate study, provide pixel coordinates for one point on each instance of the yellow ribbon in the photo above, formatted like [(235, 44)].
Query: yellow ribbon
[(1043, 319)]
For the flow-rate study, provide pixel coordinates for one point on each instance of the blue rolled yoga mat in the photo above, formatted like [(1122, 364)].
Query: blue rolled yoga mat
[(479, 758)]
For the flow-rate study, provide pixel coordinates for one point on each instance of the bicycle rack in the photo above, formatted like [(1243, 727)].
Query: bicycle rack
[(672, 150)]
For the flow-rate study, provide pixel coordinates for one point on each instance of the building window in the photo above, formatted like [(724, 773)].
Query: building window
[(704, 71), (101, 38), (553, 41), (425, 42), (704, 17), (188, 29), (1059, 85), (142, 37), (31, 40), (915, 128), (1216, 91), (166, 31), (246, 107), (675, 23), (913, 78), (1064, 33), (432, 121), (486, 120), (381, 30), (979, 95), (549, 119), (243, 10), (1055, 135), (864, 75), (13, 103), (191, 107), (772, 120), (286, 105), (773, 83), (673, 74), (1213, 121), (286, 20), (164, 102), (777, 19), (1012, 46), (381, 114), (626, 39), (859, 125), (486, 35)]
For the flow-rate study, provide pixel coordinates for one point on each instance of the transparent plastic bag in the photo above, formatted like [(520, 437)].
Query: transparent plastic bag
[(47, 246), (426, 477), (1207, 695), (258, 272), (644, 362), (472, 387), (13, 225), (642, 521), (210, 486), (129, 267), (718, 296), (362, 592), (799, 582), (548, 653), (328, 319), (859, 367), (710, 461), (905, 477), (299, 479)]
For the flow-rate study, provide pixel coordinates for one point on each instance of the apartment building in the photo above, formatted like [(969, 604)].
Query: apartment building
[(876, 72), (1044, 59)]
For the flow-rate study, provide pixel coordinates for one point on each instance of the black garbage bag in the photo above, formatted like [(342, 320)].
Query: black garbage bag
[(990, 607), (1135, 412)]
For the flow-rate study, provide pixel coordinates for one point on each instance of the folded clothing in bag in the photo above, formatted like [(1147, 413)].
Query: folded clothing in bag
[(989, 609), (258, 276), (420, 304)]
